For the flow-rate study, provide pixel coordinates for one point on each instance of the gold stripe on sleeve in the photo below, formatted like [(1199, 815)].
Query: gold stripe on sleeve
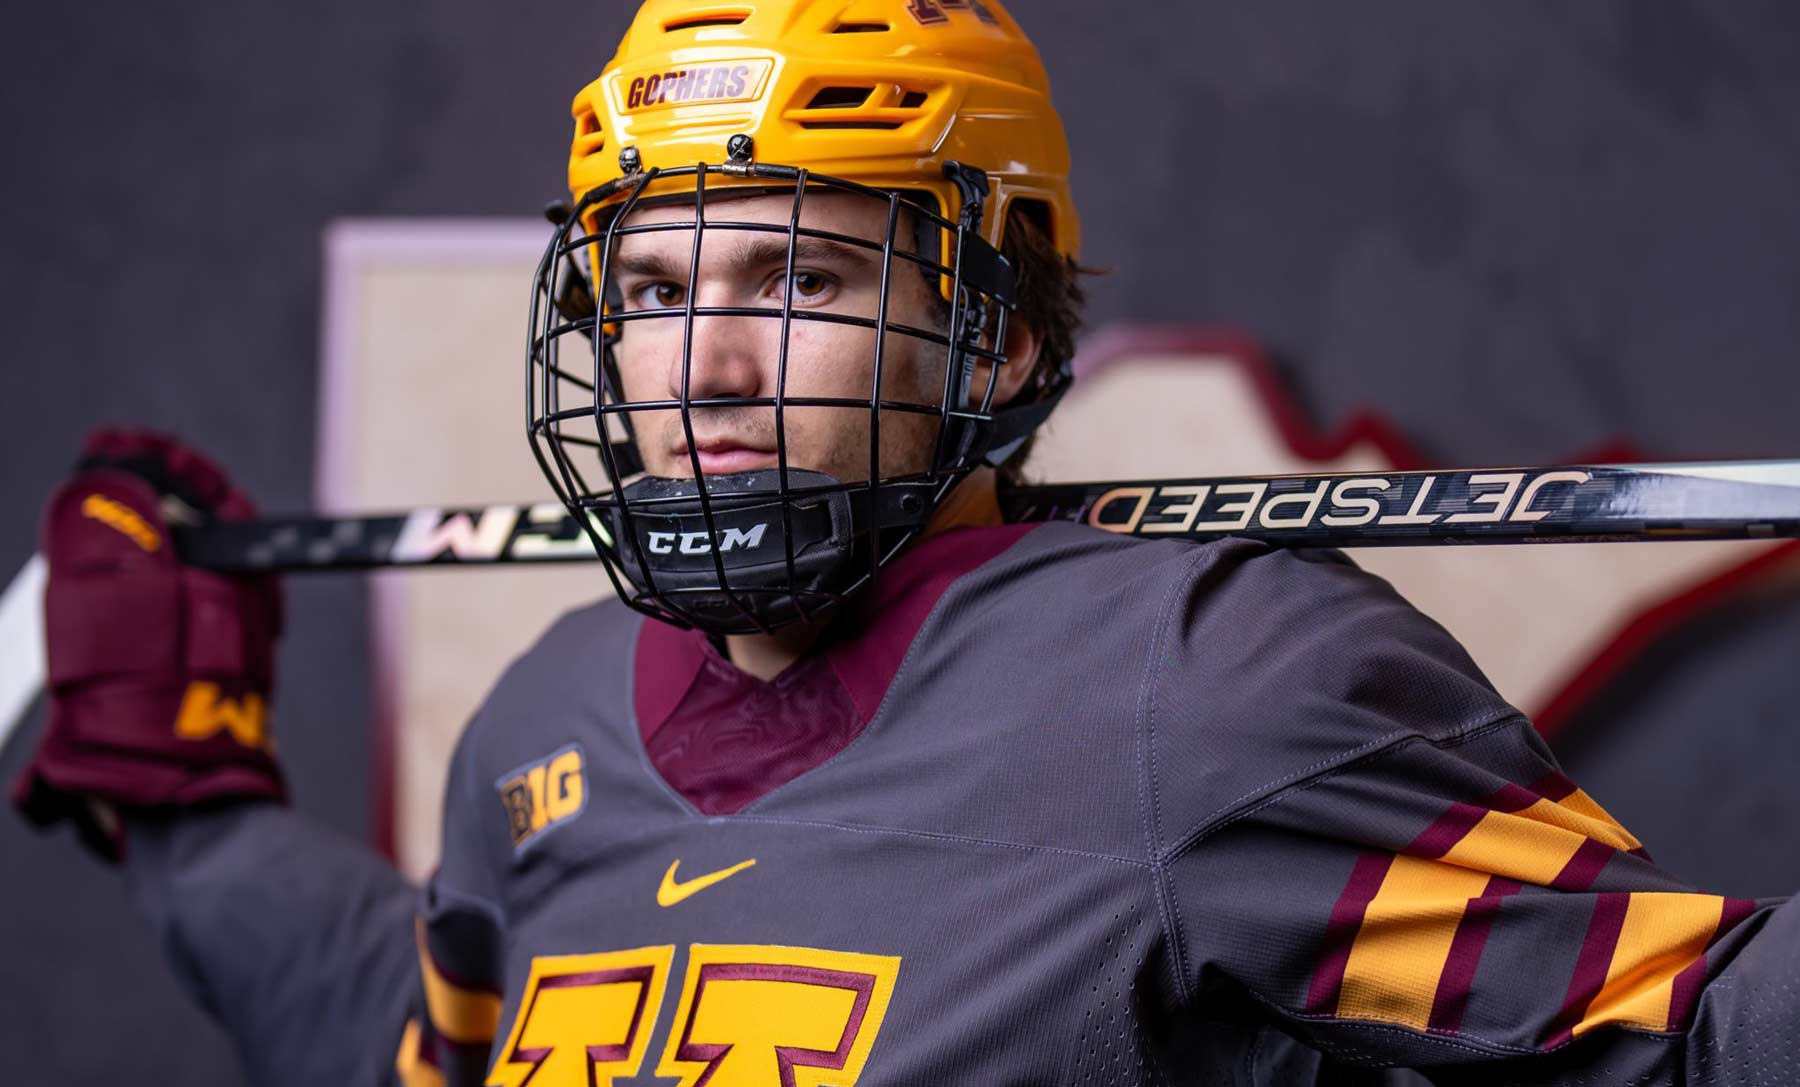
[(465, 1016), (1663, 933), (1407, 930), (413, 1071), (1525, 846), (1580, 813)]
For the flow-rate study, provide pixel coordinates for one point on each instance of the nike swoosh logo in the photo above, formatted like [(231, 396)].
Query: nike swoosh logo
[(672, 892)]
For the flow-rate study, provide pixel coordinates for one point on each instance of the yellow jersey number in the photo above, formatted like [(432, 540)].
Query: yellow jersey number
[(748, 1016)]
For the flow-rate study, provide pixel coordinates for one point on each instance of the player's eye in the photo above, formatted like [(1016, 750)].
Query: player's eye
[(809, 287), (658, 296)]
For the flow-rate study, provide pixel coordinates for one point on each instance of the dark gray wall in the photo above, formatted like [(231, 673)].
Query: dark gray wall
[(1521, 228), (170, 169)]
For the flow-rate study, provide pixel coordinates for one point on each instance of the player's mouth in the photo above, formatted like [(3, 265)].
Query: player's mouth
[(720, 456)]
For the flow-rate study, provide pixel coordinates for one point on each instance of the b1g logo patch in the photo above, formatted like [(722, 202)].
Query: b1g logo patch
[(543, 794)]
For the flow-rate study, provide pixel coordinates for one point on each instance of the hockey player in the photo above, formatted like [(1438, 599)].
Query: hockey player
[(875, 789)]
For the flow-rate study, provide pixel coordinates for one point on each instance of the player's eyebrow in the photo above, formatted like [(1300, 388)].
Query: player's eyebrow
[(746, 256), (764, 250), (646, 266)]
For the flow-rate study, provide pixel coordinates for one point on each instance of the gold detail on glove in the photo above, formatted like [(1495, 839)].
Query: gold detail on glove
[(119, 516), (205, 713)]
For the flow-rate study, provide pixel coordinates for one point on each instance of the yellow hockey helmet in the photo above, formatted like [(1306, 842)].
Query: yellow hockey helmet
[(881, 92)]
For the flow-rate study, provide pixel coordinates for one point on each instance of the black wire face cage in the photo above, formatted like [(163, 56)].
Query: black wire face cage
[(750, 551)]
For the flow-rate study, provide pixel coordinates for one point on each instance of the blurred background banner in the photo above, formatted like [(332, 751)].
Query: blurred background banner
[(1437, 234), (422, 403)]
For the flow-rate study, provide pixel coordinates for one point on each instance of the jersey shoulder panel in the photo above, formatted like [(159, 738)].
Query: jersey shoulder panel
[(605, 629), (1012, 718), (1070, 576), (555, 728), (1274, 666), (579, 664)]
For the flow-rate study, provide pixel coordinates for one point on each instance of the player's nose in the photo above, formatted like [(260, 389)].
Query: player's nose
[(723, 358)]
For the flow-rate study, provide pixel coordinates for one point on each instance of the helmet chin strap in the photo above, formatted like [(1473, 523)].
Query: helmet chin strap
[(727, 554)]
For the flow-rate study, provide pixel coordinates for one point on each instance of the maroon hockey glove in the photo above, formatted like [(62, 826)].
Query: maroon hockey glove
[(159, 673)]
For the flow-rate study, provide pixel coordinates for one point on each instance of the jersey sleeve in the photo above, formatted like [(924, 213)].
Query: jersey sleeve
[(320, 961), (450, 1029), (1410, 880), (298, 941)]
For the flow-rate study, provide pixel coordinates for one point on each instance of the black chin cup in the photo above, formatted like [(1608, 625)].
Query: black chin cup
[(671, 553)]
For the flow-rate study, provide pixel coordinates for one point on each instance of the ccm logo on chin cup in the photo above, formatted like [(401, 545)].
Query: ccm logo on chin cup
[(700, 543)]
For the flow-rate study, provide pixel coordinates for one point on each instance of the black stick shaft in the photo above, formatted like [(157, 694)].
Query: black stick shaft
[(1580, 503)]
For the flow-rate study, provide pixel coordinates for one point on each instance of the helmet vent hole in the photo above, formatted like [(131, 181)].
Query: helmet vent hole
[(701, 22), (873, 126), (589, 139), (913, 100), (861, 28), (840, 98)]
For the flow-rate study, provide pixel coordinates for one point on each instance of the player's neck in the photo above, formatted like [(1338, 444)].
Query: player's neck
[(765, 656)]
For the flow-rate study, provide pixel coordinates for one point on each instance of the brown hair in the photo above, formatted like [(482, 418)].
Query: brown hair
[(1050, 301)]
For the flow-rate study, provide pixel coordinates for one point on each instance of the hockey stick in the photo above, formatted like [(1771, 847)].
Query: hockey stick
[(21, 645), (1585, 503), (1720, 501)]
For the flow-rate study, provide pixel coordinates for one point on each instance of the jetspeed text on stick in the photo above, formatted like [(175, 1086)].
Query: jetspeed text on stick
[(1391, 504)]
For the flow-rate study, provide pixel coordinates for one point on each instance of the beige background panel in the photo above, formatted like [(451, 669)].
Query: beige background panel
[(422, 404)]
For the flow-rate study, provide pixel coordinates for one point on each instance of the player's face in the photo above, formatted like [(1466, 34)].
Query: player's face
[(740, 356)]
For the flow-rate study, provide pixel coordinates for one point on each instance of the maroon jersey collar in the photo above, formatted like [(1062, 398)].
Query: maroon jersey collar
[(723, 738)]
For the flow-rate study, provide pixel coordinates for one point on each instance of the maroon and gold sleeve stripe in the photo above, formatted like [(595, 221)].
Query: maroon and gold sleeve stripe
[(1407, 934), (414, 1065), (448, 1043), (460, 1013), (1643, 961)]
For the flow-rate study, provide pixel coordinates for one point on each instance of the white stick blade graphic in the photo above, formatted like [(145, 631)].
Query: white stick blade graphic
[(21, 645)]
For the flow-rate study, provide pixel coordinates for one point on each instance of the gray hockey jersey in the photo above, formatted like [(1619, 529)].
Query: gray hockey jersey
[(1057, 807)]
